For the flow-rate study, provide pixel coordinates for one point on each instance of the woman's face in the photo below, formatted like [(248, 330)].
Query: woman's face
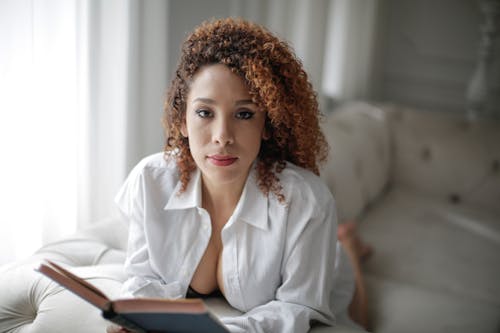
[(223, 126)]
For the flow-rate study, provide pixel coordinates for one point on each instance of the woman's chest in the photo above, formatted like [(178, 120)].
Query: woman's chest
[(244, 261), (207, 276)]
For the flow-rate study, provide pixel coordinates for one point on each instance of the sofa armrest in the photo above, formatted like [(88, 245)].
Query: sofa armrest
[(358, 167), (31, 302), (112, 232)]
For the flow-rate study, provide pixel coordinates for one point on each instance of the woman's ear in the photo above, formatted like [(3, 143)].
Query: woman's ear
[(184, 131)]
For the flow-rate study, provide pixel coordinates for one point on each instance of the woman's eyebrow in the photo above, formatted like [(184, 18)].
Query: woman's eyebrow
[(211, 101), (244, 102)]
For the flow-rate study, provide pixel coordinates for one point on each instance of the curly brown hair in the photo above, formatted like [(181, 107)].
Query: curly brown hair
[(277, 84)]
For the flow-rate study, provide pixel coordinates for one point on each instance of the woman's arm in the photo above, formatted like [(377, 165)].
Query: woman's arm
[(142, 280)]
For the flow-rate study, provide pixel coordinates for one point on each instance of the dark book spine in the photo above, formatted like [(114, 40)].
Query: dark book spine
[(116, 318)]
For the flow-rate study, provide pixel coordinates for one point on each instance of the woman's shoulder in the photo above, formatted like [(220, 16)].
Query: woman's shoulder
[(157, 161), (159, 165), (155, 176), (302, 184)]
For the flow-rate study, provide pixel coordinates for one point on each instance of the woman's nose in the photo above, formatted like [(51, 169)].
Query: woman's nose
[(223, 133)]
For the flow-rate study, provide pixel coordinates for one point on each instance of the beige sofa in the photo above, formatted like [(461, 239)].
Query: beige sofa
[(425, 189)]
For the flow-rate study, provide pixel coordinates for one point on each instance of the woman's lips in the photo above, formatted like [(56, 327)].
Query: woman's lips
[(222, 160)]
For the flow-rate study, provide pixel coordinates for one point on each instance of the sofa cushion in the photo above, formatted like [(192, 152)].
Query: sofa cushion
[(446, 155), (401, 307), (428, 242)]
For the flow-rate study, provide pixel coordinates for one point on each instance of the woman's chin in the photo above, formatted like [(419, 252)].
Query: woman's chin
[(225, 175)]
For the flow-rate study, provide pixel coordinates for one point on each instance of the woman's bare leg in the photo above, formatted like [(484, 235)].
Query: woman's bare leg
[(357, 251)]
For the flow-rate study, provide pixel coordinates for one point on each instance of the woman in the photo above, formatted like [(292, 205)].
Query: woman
[(234, 205)]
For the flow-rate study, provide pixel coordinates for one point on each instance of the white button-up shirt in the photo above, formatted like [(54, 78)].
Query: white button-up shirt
[(278, 259)]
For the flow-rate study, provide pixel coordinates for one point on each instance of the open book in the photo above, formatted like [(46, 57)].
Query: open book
[(139, 314)]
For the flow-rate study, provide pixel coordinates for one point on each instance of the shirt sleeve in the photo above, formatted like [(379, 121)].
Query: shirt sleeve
[(141, 281), (304, 295)]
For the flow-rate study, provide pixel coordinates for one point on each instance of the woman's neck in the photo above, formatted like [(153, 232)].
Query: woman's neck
[(220, 200)]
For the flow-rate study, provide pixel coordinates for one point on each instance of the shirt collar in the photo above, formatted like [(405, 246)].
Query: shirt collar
[(252, 207), (190, 198)]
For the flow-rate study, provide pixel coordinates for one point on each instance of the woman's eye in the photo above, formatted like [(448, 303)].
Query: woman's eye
[(245, 114), (202, 113)]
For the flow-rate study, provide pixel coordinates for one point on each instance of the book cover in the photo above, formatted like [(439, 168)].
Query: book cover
[(139, 314)]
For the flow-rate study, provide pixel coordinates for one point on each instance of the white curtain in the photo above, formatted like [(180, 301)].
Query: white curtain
[(349, 66), (39, 126), (81, 91), (127, 65)]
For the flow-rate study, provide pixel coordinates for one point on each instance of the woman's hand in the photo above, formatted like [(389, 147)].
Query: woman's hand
[(116, 329)]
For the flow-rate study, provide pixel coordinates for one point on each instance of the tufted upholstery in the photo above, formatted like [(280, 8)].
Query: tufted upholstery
[(425, 189), (32, 303), (448, 157)]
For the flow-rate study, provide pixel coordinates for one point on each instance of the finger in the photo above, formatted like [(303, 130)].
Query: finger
[(115, 329)]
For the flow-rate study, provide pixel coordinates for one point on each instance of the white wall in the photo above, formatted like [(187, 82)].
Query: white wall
[(427, 52)]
